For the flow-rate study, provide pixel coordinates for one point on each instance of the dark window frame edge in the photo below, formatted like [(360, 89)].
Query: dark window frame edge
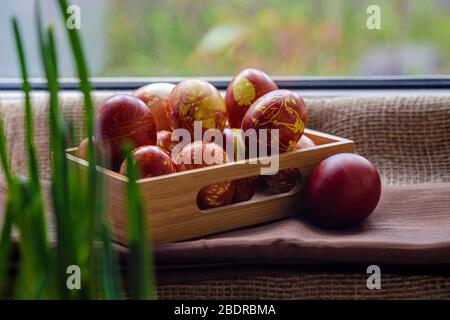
[(294, 83)]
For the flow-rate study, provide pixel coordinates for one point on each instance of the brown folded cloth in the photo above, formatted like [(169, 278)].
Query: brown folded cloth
[(411, 225)]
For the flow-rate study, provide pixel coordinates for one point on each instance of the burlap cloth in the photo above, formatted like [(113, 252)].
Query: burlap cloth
[(406, 137)]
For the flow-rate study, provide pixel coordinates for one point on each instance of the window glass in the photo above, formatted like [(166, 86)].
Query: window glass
[(217, 38)]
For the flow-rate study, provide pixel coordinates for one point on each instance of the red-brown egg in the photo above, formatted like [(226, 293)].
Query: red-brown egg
[(232, 142), (164, 140), (281, 182), (245, 188), (101, 156), (156, 96), (304, 142), (151, 161), (123, 119), (280, 109), (196, 100), (285, 180), (214, 195), (343, 190), (82, 151), (245, 88)]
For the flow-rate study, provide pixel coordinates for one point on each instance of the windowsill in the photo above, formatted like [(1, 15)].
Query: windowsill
[(11, 95), (311, 87)]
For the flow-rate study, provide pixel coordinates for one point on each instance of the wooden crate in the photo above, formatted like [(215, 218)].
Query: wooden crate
[(171, 200)]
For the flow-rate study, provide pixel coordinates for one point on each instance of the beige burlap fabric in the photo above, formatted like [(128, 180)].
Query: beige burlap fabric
[(407, 137), (12, 112), (309, 285)]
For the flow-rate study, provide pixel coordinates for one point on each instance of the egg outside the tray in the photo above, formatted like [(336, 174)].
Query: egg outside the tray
[(156, 96), (214, 195), (123, 119), (151, 161), (343, 190), (245, 88), (196, 100), (285, 180), (280, 109), (245, 188)]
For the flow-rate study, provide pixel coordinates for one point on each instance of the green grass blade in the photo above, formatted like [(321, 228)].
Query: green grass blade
[(5, 235), (111, 282), (60, 188), (109, 278), (5, 247), (85, 87), (35, 256), (142, 273), (33, 173), (27, 205), (4, 155), (64, 250), (26, 88)]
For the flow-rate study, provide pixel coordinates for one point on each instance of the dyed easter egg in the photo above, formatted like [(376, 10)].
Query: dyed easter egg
[(164, 140), (243, 90), (214, 195), (82, 151), (343, 190), (285, 180), (280, 109), (245, 188), (123, 119), (156, 96), (151, 161), (196, 100)]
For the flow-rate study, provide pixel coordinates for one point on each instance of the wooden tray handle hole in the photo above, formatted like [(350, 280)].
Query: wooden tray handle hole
[(282, 182), (285, 183)]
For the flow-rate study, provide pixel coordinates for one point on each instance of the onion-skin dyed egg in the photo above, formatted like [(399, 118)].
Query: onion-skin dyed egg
[(214, 195), (121, 120), (156, 96), (196, 100), (151, 161), (280, 109), (285, 180), (245, 188), (245, 88), (82, 151), (164, 140)]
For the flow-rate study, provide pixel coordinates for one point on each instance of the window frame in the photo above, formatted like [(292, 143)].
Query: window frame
[(320, 84)]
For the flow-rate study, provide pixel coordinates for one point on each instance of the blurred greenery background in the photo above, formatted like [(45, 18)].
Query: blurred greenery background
[(129, 38), (288, 37)]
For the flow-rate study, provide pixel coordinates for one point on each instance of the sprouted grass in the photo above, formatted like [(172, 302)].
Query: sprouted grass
[(82, 229)]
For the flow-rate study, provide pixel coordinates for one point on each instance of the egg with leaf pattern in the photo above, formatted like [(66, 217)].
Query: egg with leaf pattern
[(285, 180), (281, 110), (200, 154), (196, 100), (245, 88)]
